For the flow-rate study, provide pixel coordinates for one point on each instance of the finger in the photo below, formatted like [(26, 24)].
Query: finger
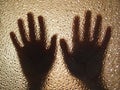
[(42, 30), (87, 26), (15, 40), (106, 38), (22, 31), (53, 44), (97, 28), (31, 25), (76, 31), (64, 48)]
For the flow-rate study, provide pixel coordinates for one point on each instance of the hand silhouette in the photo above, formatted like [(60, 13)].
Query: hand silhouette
[(86, 59), (35, 59)]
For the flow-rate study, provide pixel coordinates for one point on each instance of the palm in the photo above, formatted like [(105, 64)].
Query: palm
[(85, 60), (35, 59), (88, 59)]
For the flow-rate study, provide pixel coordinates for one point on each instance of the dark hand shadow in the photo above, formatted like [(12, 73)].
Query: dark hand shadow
[(34, 58), (86, 59)]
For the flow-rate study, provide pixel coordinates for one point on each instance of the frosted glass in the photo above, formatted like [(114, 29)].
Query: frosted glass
[(58, 15)]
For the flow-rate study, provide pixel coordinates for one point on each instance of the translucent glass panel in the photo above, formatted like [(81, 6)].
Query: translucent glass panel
[(58, 15)]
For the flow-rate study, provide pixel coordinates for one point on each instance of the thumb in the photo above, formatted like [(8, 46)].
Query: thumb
[(53, 44), (64, 48)]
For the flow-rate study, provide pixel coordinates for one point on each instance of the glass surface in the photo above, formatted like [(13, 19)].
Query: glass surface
[(58, 15)]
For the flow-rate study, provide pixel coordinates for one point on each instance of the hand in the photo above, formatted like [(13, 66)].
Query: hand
[(86, 59), (35, 59)]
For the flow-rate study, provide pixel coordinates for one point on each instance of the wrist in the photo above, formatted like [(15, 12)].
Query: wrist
[(36, 83), (95, 84), (34, 86)]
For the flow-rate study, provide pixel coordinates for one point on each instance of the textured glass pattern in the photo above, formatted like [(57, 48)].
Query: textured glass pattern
[(58, 16)]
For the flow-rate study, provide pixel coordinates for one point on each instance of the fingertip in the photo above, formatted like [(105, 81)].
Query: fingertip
[(88, 12), (76, 17), (99, 19), (109, 29), (63, 44), (41, 22), (20, 23), (108, 32), (20, 20), (88, 16), (12, 34), (99, 16), (54, 37), (30, 17), (15, 40), (53, 40), (106, 38), (76, 20), (40, 18), (29, 14)]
